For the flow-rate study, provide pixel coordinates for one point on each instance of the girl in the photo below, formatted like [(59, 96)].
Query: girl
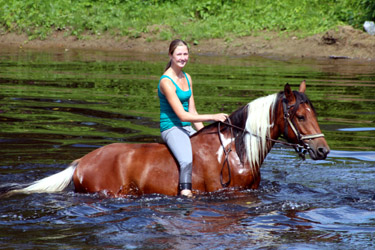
[(177, 112)]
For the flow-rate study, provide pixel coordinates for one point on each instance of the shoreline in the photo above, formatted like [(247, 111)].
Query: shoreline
[(344, 42)]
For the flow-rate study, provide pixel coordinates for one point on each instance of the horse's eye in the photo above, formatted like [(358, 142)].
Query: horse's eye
[(300, 118)]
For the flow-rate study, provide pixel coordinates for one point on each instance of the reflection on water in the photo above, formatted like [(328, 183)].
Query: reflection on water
[(56, 106), (360, 155), (356, 129)]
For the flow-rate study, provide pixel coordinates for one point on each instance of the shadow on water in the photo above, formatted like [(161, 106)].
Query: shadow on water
[(57, 106)]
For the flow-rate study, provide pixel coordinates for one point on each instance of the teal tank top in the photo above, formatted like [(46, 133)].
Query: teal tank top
[(168, 118)]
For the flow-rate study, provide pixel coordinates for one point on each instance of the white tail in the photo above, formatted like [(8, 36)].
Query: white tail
[(54, 183)]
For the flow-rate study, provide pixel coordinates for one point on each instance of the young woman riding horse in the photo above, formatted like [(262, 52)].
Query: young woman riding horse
[(177, 110), (225, 154)]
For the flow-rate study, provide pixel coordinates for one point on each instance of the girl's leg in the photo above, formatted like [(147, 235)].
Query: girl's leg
[(178, 141)]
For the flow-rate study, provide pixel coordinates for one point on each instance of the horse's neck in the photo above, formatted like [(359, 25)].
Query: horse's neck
[(275, 131)]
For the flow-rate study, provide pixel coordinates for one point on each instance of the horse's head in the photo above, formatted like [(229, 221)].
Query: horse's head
[(297, 120)]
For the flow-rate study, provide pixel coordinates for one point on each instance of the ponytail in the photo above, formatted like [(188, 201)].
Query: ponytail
[(168, 65)]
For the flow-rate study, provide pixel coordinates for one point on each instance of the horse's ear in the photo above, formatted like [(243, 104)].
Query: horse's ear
[(302, 87), (288, 93)]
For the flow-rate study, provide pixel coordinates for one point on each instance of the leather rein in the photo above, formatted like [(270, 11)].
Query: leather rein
[(301, 147)]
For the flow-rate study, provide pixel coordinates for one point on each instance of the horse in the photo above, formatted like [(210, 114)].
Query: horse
[(225, 154)]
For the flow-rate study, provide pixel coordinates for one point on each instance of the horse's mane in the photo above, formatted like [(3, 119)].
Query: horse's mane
[(252, 125), (258, 125), (253, 122)]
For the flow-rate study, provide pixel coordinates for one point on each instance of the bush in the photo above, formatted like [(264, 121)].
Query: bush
[(355, 12), (189, 19)]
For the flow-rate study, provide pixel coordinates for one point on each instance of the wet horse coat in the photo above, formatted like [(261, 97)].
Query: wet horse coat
[(222, 153)]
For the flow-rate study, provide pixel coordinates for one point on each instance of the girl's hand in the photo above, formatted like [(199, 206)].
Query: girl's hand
[(221, 117)]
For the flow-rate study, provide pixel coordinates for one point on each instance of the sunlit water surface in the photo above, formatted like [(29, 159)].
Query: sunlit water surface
[(57, 106)]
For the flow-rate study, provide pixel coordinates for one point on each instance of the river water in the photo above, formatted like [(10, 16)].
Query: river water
[(58, 105)]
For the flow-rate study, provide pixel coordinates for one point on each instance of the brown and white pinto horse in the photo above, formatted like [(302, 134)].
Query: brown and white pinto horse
[(222, 152)]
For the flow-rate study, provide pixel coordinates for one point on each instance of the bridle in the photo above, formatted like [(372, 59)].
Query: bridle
[(301, 147)]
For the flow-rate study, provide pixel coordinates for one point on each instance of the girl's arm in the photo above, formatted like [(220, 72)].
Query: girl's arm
[(169, 91)]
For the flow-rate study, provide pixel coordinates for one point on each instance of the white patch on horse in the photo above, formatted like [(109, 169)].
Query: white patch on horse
[(80, 178), (220, 151), (308, 109), (240, 171)]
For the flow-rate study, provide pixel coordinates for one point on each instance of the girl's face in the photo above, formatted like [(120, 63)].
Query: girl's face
[(180, 56)]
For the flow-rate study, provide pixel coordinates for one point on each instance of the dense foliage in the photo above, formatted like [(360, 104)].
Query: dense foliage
[(188, 19)]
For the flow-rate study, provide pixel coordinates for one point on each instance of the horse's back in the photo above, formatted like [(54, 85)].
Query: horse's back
[(123, 168)]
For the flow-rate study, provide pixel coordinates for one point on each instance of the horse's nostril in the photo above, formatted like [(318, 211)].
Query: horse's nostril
[(323, 151)]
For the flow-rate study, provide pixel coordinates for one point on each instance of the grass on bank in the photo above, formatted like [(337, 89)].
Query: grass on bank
[(191, 20)]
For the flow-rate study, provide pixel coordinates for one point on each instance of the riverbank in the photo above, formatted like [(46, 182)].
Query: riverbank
[(343, 42)]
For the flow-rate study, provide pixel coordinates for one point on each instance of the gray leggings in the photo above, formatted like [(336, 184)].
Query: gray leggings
[(178, 141)]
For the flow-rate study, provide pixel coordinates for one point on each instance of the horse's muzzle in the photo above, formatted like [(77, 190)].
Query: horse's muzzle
[(318, 153)]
